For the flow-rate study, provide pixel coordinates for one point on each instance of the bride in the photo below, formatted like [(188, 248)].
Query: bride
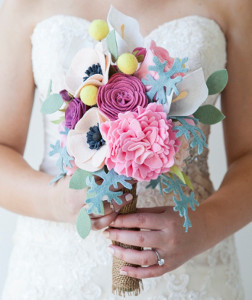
[(49, 260)]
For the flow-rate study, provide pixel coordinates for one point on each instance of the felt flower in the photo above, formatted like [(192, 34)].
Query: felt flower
[(194, 87), (141, 144), (65, 96), (89, 66), (86, 143), (122, 93), (127, 30), (74, 112), (140, 53), (154, 50)]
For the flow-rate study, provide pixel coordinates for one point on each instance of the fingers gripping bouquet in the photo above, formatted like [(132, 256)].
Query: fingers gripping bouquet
[(129, 112)]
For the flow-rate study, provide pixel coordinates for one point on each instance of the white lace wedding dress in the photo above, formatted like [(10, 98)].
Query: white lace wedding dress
[(50, 261)]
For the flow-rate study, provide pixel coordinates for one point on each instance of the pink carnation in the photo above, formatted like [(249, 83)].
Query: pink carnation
[(141, 144)]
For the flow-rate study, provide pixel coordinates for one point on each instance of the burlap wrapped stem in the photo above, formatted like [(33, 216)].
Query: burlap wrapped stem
[(123, 285)]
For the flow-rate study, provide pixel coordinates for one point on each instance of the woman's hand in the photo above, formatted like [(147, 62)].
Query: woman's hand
[(66, 207), (162, 229)]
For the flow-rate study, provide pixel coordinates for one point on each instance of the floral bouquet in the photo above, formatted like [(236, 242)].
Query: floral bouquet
[(129, 112)]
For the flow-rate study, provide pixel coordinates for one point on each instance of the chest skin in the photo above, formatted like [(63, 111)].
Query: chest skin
[(150, 14)]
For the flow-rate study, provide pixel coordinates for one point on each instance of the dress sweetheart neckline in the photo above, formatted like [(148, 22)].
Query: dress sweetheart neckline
[(145, 37)]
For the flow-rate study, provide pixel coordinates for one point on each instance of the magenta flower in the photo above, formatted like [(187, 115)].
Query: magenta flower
[(141, 144), (140, 53), (74, 112), (122, 93)]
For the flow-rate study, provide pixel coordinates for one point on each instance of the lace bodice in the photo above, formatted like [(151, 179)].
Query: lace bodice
[(50, 261)]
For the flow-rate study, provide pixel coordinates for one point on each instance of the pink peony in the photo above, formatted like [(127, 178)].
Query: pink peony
[(141, 144), (152, 51)]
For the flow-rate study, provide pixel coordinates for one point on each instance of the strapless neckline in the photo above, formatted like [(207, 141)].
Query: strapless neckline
[(159, 27)]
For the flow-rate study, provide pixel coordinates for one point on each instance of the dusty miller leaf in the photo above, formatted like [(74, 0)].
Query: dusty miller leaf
[(165, 84), (96, 192)]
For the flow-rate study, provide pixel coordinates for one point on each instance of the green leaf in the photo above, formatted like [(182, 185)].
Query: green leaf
[(175, 170), (181, 175), (52, 104), (209, 114), (83, 223), (217, 81), (78, 180), (112, 44), (188, 181), (57, 122)]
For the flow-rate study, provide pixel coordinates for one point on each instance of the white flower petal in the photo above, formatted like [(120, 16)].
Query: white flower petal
[(87, 165), (99, 157), (167, 105), (195, 85), (81, 62), (77, 146), (132, 36)]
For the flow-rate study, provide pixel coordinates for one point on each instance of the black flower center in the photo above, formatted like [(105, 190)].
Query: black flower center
[(92, 70), (94, 138)]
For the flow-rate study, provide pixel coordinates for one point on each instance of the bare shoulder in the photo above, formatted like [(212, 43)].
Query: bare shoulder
[(237, 15), (19, 15), (236, 98)]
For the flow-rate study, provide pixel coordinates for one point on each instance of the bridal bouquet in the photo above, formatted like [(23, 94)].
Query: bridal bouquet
[(129, 112)]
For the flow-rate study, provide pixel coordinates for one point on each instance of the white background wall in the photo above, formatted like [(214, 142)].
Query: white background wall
[(33, 155)]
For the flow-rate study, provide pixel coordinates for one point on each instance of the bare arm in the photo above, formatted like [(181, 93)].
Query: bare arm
[(22, 189), (228, 209)]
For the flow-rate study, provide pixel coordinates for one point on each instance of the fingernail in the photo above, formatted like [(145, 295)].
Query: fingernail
[(128, 197), (106, 234), (111, 250), (123, 272)]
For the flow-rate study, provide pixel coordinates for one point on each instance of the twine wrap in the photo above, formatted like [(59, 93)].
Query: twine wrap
[(124, 285)]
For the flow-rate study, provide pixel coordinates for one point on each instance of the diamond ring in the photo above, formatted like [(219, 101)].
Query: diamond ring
[(161, 261)]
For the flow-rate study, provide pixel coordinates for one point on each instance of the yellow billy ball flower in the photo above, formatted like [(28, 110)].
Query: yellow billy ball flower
[(98, 30), (88, 95), (127, 63)]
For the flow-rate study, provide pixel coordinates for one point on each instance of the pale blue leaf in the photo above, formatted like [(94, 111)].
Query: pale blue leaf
[(165, 84), (83, 223), (51, 104)]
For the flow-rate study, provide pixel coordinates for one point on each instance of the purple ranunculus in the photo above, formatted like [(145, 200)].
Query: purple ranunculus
[(65, 95), (74, 112), (122, 93)]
